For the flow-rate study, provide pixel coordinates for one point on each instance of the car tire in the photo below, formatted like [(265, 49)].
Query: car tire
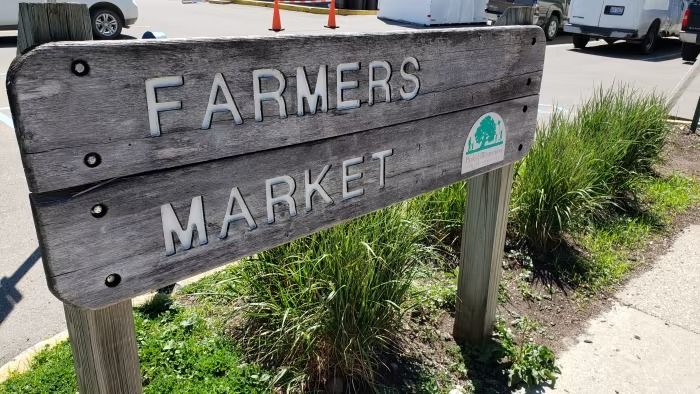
[(106, 24), (690, 52), (551, 28), (651, 40), (580, 40)]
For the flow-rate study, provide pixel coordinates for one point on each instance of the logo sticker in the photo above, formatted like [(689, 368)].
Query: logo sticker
[(486, 143)]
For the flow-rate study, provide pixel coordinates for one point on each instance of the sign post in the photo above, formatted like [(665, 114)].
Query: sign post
[(209, 150)]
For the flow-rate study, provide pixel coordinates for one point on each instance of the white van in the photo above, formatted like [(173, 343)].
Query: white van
[(642, 21)]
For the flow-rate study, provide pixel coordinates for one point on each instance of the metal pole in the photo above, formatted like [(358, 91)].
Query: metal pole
[(696, 118)]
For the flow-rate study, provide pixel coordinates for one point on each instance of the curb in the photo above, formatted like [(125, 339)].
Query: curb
[(294, 7)]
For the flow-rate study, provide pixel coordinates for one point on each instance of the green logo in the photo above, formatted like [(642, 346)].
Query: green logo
[(485, 144), (488, 134)]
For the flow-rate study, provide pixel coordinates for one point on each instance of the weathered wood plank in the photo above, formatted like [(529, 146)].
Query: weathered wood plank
[(459, 69), (103, 343), (80, 250), (483, 236)]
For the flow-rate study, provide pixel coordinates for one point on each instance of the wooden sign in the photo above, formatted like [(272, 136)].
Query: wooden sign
[(151, 161)]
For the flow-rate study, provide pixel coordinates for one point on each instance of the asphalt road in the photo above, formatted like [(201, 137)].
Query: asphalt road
[(29, 313)]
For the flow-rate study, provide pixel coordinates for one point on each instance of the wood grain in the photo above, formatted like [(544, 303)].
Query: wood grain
[(61, 117), (103, 343), (483, 236), (80, 251), (42, 23)]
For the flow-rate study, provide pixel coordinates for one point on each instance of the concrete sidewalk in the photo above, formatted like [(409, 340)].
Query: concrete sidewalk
[(649, 342)]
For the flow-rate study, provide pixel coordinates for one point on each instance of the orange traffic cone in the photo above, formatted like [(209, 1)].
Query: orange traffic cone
[(331, 16), (276, 22)]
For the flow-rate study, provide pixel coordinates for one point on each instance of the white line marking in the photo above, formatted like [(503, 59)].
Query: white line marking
[(6, 120)]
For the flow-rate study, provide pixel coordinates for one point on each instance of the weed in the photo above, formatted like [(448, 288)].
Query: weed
[(527, 363)]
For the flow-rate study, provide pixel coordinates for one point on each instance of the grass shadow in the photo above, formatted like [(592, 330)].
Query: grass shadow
[(577, 265), (483, 367)]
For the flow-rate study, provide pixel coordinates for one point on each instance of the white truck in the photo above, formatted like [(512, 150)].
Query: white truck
[(641, 21)]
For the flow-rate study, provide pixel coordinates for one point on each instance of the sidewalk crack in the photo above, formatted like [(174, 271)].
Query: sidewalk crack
[(669, 323)]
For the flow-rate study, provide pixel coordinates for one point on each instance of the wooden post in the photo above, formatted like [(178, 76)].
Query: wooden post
[(42, 23), (516, 16), (103, 341), (483, 237)]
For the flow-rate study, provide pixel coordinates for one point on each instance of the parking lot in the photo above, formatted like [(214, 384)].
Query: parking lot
[(570, 75)]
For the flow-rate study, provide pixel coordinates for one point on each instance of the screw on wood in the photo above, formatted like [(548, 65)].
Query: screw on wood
[(98, 210), (113, 280), (80, 68), (92, 160)]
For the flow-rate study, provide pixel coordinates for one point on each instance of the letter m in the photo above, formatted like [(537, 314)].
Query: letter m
[(172, 227)]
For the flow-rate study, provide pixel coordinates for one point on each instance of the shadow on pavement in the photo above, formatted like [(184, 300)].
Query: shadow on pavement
[(667, 49), (9, 296)]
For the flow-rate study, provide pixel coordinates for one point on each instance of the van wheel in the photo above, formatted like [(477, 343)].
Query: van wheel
[(651, 40), (580, 41), (690, 52), (551, 28)]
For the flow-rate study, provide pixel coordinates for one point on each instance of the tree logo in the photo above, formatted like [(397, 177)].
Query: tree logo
[(485, 144)]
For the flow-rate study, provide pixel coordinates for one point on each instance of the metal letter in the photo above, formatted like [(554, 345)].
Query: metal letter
[(304, 92), (230, 218), (347, 178), (154, 107), (410, 77), (171, 226), (259, 97), (382, 83), (228, 106), (382, 168), (346, 85), (285, 198), (311, 188)]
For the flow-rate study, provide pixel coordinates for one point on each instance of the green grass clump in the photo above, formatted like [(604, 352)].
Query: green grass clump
[(558, 184), (581, 166), (611, 243), (328, 306), (443, 211), (179, 352), (51, 371)]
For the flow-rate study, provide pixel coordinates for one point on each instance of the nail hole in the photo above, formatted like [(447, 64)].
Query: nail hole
[(529, 81), (520, 147), (113, 280), (534, 40), (525, 108), (80, 68), (92, 160), (98, 210)]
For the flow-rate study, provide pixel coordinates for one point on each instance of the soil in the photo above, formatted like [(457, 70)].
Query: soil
[(560, 311)]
